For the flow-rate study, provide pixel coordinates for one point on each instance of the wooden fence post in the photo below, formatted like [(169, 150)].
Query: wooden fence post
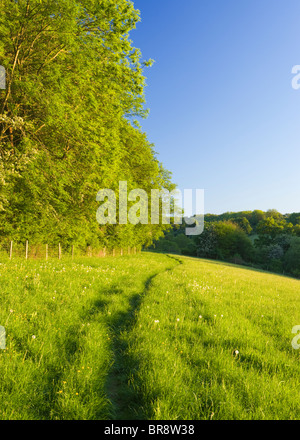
[(11, 248), (104, 252), (59, 251), (26, 250)]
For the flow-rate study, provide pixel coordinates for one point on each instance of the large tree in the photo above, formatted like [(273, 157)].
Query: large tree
[(75, 85)]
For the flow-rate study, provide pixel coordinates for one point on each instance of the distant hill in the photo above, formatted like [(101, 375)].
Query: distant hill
[(264, 239)]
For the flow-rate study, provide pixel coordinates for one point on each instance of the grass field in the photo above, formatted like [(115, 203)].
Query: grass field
[(147, 337)]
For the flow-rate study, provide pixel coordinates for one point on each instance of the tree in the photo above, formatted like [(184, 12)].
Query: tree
[(207, 242), (294, 218), (292, 257), (273, 213), (244, 224), (75, 87), (256, 217), (224, 240), (269, 229), (232, 240)]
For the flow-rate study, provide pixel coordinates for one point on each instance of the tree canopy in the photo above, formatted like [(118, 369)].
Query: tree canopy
[(75, 89)]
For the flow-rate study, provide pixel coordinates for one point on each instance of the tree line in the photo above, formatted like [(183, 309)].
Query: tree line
[(267, 240), (69, 121)]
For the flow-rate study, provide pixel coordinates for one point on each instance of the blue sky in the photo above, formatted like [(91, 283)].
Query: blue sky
[(223, 114)]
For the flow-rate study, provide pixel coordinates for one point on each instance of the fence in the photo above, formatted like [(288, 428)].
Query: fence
[(44, 251)]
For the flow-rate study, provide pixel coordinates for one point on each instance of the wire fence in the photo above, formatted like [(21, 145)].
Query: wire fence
[(11, 250)]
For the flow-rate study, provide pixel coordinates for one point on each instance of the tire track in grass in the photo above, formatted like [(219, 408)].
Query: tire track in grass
[(126, 404)]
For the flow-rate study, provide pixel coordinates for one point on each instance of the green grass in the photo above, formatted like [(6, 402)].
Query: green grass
[(147, 337)]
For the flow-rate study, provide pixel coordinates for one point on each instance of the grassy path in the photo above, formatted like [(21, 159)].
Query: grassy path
[(147, 337), (64, 322), (126, 403)]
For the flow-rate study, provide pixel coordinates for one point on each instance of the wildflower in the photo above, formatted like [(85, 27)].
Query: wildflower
[(156, 321), (178, 319), (200, 317), (33, 336)]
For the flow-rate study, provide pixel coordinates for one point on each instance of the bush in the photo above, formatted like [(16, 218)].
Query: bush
[(291, 259), (232, 240)]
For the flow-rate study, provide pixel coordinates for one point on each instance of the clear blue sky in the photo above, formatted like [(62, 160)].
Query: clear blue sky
[(223, 114)]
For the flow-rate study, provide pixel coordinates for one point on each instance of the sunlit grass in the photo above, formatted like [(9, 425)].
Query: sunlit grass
[(147, 337), (214, 342), (59, 318)]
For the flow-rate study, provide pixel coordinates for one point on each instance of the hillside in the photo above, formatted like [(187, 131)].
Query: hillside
[(147, 337), (263, 240)]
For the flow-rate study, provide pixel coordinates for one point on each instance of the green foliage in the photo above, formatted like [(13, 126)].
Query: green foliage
[(292, 257), (232, 240), (175, 241), (207, 242), (74, 83), (263, 239), (244, 224), (269, 228), (245, 219), (224, 240)]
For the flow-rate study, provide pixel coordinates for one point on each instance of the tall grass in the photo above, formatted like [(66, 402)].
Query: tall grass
[(147, 337), (60, 319), (214, 342)]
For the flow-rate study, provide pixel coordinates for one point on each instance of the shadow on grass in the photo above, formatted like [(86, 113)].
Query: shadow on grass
[(126, 402)]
